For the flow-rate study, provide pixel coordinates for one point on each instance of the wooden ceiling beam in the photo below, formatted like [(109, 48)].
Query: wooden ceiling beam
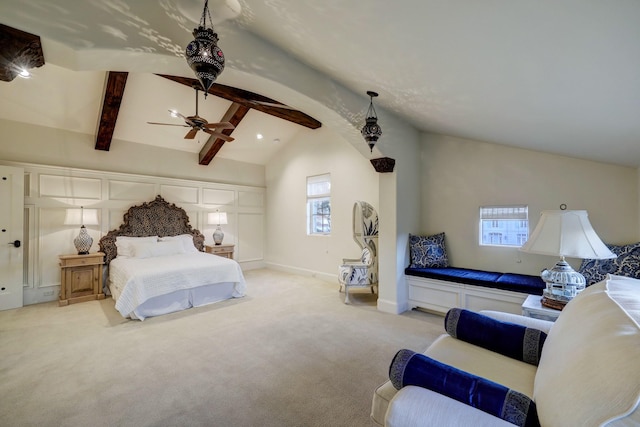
[(18, 50), (253, 100), (234, 115), (113, 92)]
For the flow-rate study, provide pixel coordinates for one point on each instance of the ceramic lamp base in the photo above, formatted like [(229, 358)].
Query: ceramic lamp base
[(218, 235), (83, 242)]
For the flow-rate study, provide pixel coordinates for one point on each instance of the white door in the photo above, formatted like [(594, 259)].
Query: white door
[(11, 248)]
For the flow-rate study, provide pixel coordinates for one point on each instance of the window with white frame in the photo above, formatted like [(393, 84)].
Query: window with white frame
[(319, 204), (504, 225)]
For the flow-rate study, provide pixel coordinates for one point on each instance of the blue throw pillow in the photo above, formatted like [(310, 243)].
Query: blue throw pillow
[(509, 339), (626, 264), (410, 368), (428, 251)]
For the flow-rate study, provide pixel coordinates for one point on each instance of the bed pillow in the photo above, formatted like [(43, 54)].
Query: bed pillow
[(123, 244), (156, 249), (185, 239), (411, 368), (428, 251), (626, 264)]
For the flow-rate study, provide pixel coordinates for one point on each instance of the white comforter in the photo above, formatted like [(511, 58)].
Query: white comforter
[(133, 281)]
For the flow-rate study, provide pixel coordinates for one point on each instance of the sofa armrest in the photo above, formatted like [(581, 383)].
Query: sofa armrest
[(419, 407), (529, 322)]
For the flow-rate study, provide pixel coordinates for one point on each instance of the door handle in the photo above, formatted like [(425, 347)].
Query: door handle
[(15, 243)]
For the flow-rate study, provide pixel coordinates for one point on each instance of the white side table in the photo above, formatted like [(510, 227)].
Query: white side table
[(532, 307)]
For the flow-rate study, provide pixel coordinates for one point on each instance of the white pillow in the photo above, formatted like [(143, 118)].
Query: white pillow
[(123, 244), (156, 249), (185, 239)]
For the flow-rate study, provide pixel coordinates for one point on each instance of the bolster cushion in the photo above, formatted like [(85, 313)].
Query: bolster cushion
[(509, 339), (411, 368)]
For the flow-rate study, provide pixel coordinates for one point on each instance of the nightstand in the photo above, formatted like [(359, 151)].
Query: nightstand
[(80, 278), (221, 250), (532, 307)]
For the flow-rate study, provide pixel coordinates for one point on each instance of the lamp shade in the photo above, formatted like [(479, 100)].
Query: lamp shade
[(81, 217), (218, 218), (566, 234)]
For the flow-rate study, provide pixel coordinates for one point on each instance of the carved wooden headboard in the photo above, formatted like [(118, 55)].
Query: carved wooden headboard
[(156, 218)]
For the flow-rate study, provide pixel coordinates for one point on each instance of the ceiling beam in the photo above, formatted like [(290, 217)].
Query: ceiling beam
[(253, 100), (113, 92), (234, 115), (18, 50)]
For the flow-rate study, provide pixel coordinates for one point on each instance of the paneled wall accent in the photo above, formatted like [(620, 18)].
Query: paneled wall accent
[(50, 190)]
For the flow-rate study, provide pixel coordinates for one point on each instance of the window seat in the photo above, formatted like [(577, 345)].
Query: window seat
[(440, 289)]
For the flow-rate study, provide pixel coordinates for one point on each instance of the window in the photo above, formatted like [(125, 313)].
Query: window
[(319, 204), (504, 225)]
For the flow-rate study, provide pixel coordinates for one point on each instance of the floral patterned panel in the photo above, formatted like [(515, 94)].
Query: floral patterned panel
[(156, 218)]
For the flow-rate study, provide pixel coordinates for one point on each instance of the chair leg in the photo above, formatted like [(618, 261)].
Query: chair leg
[(346, 297)]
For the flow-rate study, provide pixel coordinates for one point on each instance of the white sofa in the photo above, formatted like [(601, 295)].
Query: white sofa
[(588, 375)]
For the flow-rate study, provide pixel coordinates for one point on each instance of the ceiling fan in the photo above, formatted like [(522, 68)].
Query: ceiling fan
[(197, 123)]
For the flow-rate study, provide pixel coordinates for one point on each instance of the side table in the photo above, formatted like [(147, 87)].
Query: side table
[(80, 278), (532, 307), (223, 250)]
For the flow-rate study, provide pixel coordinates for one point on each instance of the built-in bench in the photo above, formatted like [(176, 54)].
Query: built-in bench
[(440, 289)]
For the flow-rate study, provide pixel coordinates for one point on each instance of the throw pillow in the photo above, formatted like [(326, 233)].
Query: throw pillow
[(509, 339), (428, 251), (411, 368), (626, 264)]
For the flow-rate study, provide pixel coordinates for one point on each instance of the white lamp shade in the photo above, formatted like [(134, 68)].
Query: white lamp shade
[(566, 234), (218, 218), (81, 217)]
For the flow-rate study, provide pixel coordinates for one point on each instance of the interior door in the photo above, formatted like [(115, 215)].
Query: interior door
[(11, 248)]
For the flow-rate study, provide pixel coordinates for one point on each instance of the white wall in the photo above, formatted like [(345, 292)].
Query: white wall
[(37, 144), (459, 176), (315, 152)]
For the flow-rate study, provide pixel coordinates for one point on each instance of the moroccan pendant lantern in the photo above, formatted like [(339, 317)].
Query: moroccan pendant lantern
[(203, 54), (371, 130)]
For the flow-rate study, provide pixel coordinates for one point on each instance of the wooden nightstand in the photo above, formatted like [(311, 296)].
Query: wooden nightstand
[(80, 278), (532, 307), (220, 250)]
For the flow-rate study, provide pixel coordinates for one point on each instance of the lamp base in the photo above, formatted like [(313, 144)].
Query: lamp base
[(563, 284), (552, 303), (83, 242), (218, 235)]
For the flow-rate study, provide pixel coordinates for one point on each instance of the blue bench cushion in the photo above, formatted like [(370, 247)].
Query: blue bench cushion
[(506, 281)]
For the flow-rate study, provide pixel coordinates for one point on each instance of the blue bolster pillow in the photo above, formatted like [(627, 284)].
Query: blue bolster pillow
[(410, 368), (508, 339)]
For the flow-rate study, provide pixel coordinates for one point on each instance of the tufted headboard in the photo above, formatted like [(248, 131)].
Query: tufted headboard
[(156, 218)]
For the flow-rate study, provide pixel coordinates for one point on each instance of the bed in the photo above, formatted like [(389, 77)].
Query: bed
[(156, 264)]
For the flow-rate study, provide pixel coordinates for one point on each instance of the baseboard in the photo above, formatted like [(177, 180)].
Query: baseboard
[(252, 265), (331, 278), (392, 307)]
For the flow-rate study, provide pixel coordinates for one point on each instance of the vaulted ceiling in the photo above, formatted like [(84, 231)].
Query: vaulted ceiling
[(555, 76)]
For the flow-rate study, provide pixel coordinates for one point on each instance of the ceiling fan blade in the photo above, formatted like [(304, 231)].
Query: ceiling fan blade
[(222, 136), (191, 134), (221, 125), (168, 124)]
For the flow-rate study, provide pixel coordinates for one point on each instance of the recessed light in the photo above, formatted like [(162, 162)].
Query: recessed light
[(25, 74), (259, 136)]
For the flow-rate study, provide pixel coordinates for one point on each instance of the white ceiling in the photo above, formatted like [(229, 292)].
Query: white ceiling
[(551, 75)]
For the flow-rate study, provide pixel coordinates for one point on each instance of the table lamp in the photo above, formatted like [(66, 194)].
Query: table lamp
[(81, 217), (218, 218), (564, 233)]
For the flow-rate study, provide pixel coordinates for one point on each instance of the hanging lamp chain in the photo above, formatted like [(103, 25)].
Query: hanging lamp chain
[(205, 13)]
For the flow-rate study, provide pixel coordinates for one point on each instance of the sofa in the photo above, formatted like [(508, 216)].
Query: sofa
[(587, 372)]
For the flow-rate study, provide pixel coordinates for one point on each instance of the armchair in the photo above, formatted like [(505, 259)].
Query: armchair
[(357, 273)]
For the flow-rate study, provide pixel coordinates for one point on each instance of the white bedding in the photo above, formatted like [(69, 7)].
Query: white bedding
[(133, 281)]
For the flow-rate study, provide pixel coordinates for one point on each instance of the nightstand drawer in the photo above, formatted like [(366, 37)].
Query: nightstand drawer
[(221, 250)]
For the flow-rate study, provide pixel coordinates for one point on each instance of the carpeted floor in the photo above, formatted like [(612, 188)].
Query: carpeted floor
[(290, 353)]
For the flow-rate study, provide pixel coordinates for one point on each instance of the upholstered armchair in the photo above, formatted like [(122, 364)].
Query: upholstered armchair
[(360, 272)]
